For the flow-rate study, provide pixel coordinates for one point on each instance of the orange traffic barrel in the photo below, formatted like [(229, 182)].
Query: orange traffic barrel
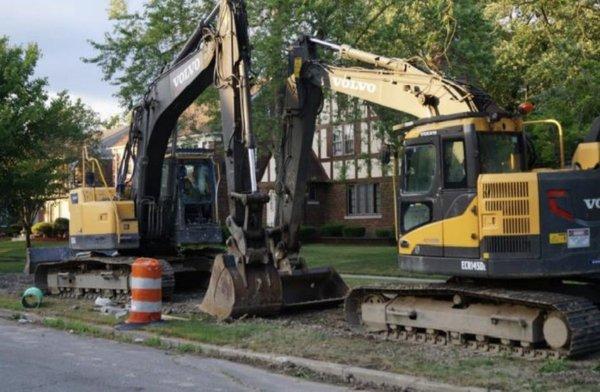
[(146, 291)]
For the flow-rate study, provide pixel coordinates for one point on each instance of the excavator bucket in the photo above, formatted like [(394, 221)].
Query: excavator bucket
[(265, 292), (316, 287), (230, 294)]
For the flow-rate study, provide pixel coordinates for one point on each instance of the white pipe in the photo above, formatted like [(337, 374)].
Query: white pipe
[(326, 44), (252, 162)]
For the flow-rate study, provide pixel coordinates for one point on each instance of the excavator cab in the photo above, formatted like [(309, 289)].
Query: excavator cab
[(440, 168), (469, 205), (189, 190)]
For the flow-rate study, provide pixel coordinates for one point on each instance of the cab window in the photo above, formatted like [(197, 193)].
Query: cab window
[(197, 183), (415, 215), (455, 172), (500, 152), (419, 166)]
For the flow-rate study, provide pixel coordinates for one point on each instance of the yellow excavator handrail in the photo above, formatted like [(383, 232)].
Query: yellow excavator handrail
[(97, 165), (561, 142), (95, 162)]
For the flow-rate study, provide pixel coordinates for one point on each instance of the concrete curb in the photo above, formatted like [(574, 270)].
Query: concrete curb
[(349, 374)]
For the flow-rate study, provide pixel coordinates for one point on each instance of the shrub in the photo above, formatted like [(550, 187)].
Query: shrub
[(45, 229), (307, 233), (61, 226), (12, 230), (332, 230), (384, 233), (354, 231)]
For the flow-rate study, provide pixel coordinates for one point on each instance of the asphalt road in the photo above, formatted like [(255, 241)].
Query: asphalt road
[(36, 358)]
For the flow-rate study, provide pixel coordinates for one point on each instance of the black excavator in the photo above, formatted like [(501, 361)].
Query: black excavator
[(165, 198)]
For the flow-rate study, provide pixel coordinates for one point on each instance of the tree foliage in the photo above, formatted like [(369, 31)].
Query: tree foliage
[(546, 51), (40, 135)]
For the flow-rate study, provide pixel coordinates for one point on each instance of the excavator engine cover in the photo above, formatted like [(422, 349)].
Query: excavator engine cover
[(266, 292)]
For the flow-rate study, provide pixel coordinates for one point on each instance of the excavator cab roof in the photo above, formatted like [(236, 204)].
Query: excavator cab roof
[(481, 121)]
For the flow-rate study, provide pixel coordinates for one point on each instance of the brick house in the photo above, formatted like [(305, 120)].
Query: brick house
[(348, 183), (112, 148)]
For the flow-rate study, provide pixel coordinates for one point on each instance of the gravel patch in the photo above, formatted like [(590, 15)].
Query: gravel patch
[(15, 283)]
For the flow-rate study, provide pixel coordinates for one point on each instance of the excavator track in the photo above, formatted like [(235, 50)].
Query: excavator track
[(89, 277), (562, 325)]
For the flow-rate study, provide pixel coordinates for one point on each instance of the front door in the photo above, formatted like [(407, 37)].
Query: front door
[(420, 192), (457, 193)]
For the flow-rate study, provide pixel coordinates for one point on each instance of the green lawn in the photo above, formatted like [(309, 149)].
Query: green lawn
[(12, 254), (347, 259), (366, 260)]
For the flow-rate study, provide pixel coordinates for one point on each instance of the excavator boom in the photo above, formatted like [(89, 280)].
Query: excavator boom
[(261, 273)]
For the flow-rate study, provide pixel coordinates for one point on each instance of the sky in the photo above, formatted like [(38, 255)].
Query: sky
[(61, 29)]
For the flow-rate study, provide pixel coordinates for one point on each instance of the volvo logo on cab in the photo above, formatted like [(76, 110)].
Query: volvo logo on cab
[(592, 203)]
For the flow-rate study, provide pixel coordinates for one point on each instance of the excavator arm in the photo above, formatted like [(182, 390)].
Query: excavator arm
[(391, 82), (216, 55), (394, 83), (155, 117), (259, 274)]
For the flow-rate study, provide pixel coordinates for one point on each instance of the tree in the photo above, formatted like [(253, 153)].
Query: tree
[(142, 43), (112, 121), (544, 50), (40, 136), (116, 9), (549, 52)]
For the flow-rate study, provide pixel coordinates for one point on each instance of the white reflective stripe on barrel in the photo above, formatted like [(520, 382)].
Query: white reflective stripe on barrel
[(146, 307), (145, 283)]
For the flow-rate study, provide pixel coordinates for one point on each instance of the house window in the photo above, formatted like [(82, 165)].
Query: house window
[(343, 140), (311, 194), (363, 199)]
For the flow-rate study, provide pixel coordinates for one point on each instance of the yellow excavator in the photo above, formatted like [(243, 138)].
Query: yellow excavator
[(166, 201), (522, 246)]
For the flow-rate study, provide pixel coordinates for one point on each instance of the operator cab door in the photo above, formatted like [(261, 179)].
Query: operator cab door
[(458, 189), (420, 202)]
